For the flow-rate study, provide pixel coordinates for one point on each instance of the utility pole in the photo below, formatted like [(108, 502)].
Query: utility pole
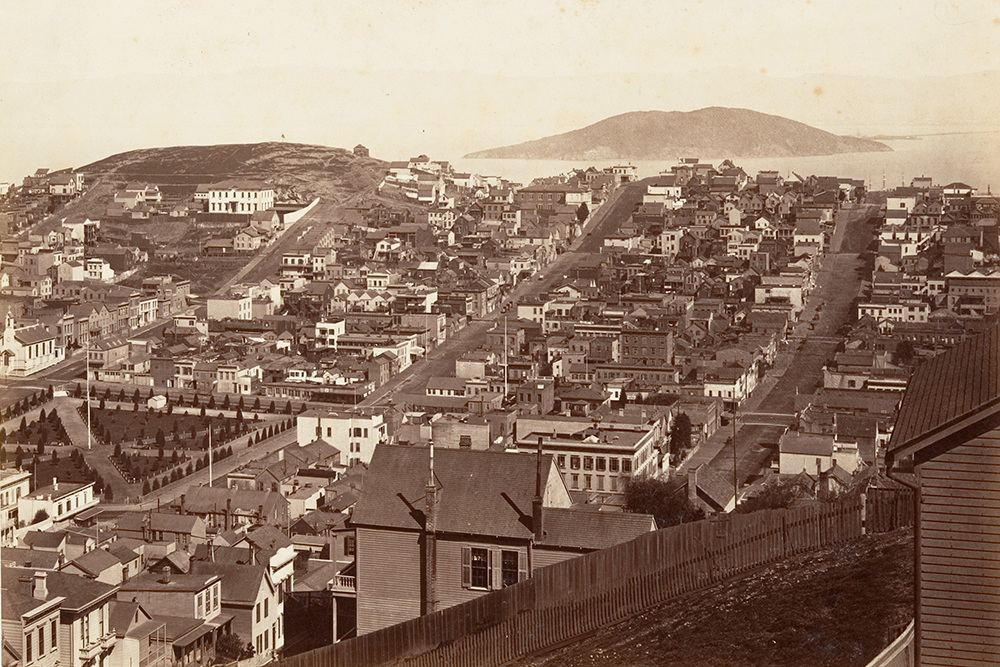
[(736, 484), (210, 476), (89, 436)]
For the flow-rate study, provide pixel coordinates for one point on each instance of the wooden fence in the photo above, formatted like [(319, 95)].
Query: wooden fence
[(888, 509), (578, 596)]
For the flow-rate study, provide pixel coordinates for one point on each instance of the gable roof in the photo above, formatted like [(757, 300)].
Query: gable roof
[(575, 528), (240, 583), (79, 592), (480, 492), (96, 561), (951, 391)]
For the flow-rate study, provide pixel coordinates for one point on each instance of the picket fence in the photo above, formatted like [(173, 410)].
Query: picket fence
[(578, 596)]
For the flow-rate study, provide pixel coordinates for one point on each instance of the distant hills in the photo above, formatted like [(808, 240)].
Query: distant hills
[(304, 169), (667, 135)]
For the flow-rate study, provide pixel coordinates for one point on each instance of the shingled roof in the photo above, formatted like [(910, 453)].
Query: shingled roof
[(949, 392), (481, 492)]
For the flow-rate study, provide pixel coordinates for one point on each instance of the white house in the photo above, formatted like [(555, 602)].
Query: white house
[(355, 434), (240, 196), (59, 501)]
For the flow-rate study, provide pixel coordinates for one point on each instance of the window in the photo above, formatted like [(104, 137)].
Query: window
[(613, 465), (54, 635), (29, 641), (199, 605), (599, 463), (258, 612), (476, 567), (574, 462), (509, 568), (41, 641), (575, 481), (626, 465), (265, 607), (349, 545), (587, 481), (588, 462)]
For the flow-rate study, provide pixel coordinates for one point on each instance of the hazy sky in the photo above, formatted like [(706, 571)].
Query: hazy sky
[(57, 41), (81, 80)]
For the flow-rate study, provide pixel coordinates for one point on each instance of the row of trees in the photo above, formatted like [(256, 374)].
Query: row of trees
[(226, 403), (46, 430), (28, 403), (180, 472)]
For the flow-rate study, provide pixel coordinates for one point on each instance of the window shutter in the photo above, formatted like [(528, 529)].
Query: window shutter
[(496, 576), (466, 567), (522, 566)]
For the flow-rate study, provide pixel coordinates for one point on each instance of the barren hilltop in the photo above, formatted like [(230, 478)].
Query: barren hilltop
[(666, 135), (306, 169)]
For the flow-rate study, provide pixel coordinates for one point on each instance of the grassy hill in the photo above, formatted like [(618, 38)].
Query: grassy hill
[(830, 608), (301, 169), (667, 135)]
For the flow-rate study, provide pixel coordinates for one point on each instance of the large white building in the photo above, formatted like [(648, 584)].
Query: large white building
[(355, 434), (238, 196)]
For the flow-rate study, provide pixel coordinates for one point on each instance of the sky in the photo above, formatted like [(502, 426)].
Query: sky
[(156, 48)]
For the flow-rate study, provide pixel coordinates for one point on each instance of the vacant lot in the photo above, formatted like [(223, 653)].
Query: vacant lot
[(831, 608)]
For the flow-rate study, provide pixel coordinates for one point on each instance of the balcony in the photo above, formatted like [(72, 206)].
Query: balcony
[(96, 647), (343, 583)]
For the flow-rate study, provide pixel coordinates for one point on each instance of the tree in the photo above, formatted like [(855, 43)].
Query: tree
[(55, 456), (225, 402), (288, 408), (680, 437), (170, 408), (156, 484), (78, 392), (41, 447), (50, 393), (161, 439), (271, 408), (202, 412), (249, 445), (40, 515), (136, 397), (118, 451), (230, 647), (3, 435), (194, 401), (189, 469), (23, 426), (229, 451), (582, 212), (54, 416), (774, 496), (174, 457), (256, 404), (159, 453), (904, 353), (102, 403), (121, 395), (211, 402), (41, 415), (668, 503), (109, 494), (145, 487), (239, 404)]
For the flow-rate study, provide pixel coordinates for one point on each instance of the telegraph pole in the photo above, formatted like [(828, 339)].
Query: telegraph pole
[(736, 484), (89, 436)]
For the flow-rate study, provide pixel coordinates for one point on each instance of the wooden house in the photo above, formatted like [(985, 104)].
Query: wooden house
[(948, 430)]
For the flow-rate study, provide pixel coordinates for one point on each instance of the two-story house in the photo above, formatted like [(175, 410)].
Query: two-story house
[(438, 527)]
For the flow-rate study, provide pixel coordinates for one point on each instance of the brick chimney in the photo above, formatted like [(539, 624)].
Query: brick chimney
[(55, 483), (40, 591), (537, 520), (430, 534), (693, 485)]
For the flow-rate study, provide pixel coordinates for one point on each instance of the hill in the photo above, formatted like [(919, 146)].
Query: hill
[(829, 608), (301, 169), (667, 135)]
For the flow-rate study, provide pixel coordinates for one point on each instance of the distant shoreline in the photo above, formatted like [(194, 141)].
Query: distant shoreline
[(917, 137)]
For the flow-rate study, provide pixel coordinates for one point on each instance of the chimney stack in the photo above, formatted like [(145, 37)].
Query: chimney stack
[(430, 534), (693, 484), (182, 504), (165, 576), (41, 589), (229, 512), (537, 521), (55, 483)]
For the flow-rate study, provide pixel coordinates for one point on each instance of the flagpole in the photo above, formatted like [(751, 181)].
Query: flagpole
[(210, 476), (89, 444)]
